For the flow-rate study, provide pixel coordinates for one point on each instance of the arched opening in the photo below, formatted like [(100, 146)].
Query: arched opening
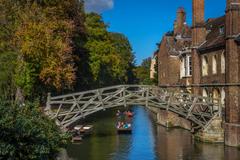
[(216, 93), (216, 98), (204, 92), (214, 64), (204, 66), (223, 95), (223, 63)]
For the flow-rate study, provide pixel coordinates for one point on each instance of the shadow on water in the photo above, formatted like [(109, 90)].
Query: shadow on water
[(147, 142)]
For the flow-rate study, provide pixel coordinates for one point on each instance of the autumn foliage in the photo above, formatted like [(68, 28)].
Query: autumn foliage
[(58, 47)]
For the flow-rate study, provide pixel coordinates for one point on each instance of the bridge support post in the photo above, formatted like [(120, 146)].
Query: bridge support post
[(214, 133), (124, 96), (147, 97), (169, 119), (47, 110)]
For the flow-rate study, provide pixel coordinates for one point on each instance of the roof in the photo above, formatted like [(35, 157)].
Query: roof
[(214, 39), (176, 46)]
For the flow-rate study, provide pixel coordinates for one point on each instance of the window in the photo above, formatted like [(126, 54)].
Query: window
[(204, 66), (186, 66), (204, 93), (221, 30), (223, 95), (214, 64), (216, 94), (182, 69), (216, 98), (223, 62), (190, 65)]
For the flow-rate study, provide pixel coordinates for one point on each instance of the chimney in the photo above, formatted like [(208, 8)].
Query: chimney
[(198, 22), (181, 19), (232, 18), (198, 13), (198, 37)]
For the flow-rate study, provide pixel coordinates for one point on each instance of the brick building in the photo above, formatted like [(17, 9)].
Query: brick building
[(174, 54), (205, 60)]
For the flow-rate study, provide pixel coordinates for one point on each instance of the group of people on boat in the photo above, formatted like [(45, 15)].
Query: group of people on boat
[(126, 113), (124, 119), (124, 125)]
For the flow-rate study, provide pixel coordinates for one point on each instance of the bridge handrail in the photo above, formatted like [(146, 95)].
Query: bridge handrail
[(84, 103)]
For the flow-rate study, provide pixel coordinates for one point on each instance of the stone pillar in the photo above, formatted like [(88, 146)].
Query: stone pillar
[(214, 133), (232, 125), (198, 37), (172, 120)]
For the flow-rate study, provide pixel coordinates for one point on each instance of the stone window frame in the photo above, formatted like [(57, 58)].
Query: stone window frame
[(189, 65), (186, 66), (205, 92), (223, 96), (216, 95), (214, 64), (204, 66), (223, 62), (182, 68)]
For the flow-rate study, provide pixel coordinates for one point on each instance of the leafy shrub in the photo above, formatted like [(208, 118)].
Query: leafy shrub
[(25, 133)]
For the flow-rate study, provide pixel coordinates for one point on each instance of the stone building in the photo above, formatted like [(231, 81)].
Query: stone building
[(205, 60)]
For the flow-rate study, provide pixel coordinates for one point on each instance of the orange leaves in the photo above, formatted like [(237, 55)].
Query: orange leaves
[(46, 43)]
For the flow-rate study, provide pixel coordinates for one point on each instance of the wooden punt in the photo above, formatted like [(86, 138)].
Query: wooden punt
[(124, 130)]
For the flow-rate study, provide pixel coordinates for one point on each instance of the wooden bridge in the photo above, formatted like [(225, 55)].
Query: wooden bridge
[(67, 109)]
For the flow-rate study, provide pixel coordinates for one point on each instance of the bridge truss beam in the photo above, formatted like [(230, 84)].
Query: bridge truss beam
[(67, 109)]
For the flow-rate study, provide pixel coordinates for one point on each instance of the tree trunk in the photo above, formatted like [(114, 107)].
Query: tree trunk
[(19, 98)]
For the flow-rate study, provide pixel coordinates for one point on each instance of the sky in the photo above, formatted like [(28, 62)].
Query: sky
[(144, 22)]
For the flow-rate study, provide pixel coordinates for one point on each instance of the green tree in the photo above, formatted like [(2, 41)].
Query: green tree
[(124, 49), (104, 61), (142, 72), (27, 134)]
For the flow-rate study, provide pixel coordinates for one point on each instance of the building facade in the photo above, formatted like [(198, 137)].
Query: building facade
[(174, 56), (205, 60)]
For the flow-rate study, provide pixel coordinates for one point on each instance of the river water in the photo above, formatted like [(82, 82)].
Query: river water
[(148, 141)]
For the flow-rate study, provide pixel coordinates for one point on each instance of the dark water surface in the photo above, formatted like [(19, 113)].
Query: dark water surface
[(147, 142)]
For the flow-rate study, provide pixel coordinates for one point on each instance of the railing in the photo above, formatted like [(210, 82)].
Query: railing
[(67, 109)]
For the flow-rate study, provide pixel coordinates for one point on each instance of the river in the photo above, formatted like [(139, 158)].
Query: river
[(148, 141)]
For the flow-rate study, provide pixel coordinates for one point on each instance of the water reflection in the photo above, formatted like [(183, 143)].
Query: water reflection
[(139, 145), (147, 142)]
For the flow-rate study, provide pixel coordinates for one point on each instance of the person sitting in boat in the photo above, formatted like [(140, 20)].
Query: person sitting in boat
[(119, 125), (118, 113), (125, 126), (129, 114)]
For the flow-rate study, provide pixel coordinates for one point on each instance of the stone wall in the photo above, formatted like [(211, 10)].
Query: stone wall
[(213, 134), (170, 119)]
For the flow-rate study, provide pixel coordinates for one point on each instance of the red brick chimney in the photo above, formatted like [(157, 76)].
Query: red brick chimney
[(179, 23), (198, 37), (198, 22), (232, 25)]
